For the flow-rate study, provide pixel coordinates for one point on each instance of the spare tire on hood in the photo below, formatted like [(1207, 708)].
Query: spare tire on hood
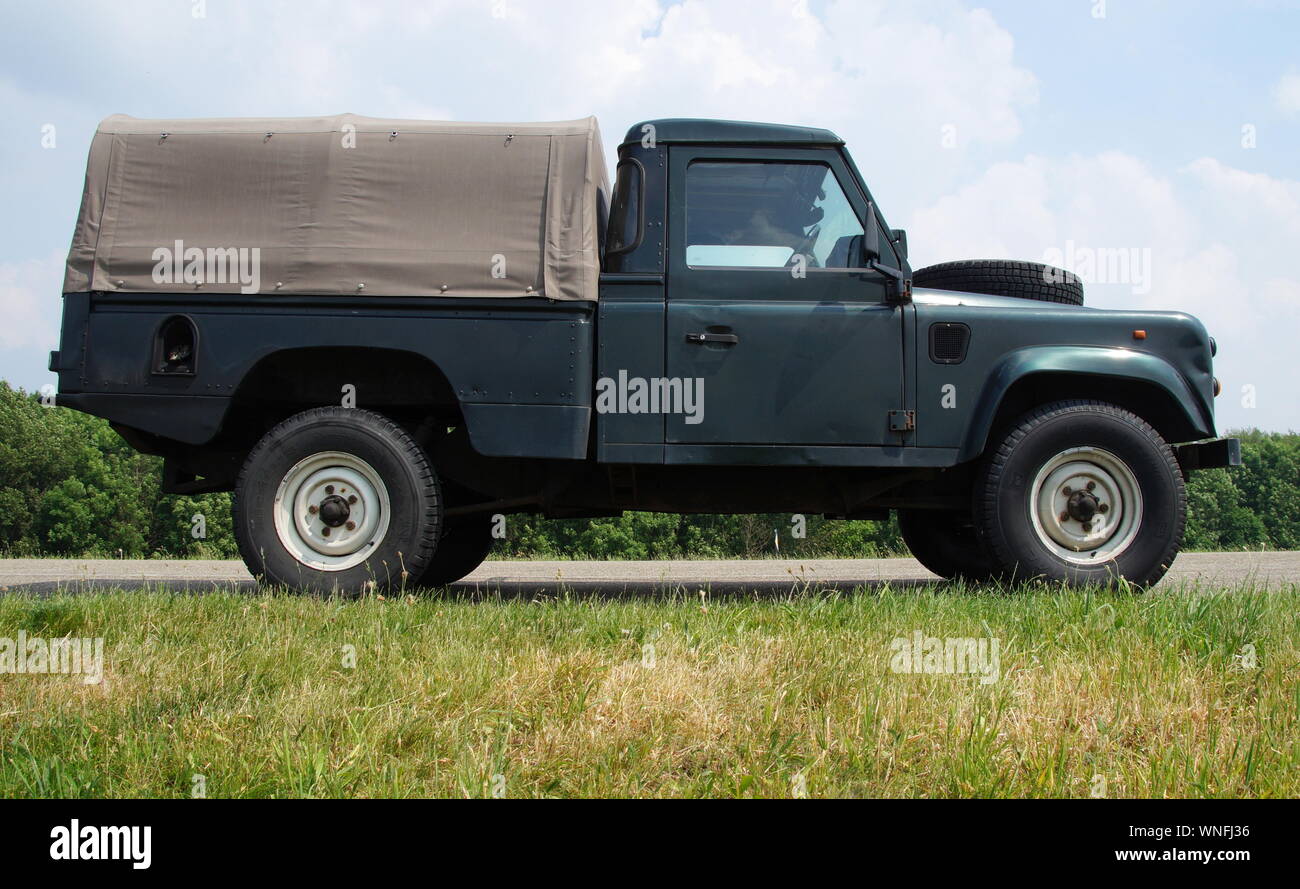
[(1003, 277)]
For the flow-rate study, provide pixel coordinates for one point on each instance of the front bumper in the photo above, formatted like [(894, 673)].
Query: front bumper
[(1208, 454)]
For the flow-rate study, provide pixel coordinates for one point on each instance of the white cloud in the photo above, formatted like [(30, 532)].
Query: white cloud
[(853, 70), (1218, 237), (1286, 93), (997, 215), (866, 68), (30, 302), (1248, 199)]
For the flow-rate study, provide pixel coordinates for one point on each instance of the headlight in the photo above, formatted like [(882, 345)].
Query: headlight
[(1214, 347)]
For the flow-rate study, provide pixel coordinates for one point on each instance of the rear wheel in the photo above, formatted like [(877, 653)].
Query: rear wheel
[(945, 542), (1082, 492), (465, 543), (335, 499)]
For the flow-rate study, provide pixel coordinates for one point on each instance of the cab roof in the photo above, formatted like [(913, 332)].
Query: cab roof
[(684, 129)]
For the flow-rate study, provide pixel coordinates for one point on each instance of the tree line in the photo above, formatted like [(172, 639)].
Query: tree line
[(69, 485)]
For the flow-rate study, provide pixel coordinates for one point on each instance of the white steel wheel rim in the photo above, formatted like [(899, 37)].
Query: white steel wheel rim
[(312, 525), (1086, 506)]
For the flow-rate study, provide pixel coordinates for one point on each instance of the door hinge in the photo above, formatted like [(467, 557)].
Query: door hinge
[(902, 421)]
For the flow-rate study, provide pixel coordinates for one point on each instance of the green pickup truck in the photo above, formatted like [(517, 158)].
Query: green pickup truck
[(382, 335)]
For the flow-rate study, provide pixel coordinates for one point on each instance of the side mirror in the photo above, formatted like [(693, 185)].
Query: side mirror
[(900, 241), (871, 238)]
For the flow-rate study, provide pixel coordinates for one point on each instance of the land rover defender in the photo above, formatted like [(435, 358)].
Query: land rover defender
[(381, 333)]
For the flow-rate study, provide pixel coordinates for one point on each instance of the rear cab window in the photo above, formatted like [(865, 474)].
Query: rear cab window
[(626, 216)]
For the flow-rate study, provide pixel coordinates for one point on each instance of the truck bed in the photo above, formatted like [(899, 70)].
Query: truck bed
[(520, 369)]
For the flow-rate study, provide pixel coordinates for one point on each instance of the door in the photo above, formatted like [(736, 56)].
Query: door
[(772, 319)]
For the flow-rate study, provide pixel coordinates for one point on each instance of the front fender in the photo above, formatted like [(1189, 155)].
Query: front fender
[(1085, 361)]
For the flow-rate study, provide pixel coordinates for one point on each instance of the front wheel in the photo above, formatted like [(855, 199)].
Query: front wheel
[(1082, 492), (336, 500)]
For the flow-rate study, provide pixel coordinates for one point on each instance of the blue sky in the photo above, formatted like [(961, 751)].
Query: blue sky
[(998, 129)]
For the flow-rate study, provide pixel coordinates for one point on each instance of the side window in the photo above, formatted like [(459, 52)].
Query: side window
[(625, 212), (760, 214)]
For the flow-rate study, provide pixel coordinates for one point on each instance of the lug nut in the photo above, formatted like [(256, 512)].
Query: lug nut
[(352, 526), (329, 489), (312, 509), (352, 498), (1087, 526), (1105, 507), (325, 532), (1092, 486), (1065, 516), (1067, 490)]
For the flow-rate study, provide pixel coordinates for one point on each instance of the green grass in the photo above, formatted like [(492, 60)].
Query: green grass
[(746, 697)]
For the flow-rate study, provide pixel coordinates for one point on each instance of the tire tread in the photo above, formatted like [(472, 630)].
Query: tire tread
[(1002, 277)]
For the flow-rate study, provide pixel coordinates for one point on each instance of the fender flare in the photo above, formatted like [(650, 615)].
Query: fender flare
[(1084, 361)]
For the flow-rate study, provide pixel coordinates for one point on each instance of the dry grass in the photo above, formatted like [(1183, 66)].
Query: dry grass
[(1097, 692)]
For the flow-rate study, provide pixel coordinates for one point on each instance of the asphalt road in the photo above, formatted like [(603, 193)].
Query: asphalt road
[(528, 579)]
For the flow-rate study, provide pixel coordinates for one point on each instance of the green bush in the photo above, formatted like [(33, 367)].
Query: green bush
[(69, 485)]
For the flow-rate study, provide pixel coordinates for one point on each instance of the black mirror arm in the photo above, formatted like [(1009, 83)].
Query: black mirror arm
[(899, 287)]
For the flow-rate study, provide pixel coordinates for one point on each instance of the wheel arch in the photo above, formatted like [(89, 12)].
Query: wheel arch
[(1139, 382), (395, 382)]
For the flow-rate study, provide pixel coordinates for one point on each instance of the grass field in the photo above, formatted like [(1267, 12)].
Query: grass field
[(1191, 692)]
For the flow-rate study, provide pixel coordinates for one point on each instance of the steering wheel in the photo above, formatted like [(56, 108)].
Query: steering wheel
[(804, 248)]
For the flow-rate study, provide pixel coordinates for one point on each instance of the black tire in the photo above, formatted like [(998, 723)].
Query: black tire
[(1024, 509), (465, 544), (946, 543), (1003, 277), (308, 455)]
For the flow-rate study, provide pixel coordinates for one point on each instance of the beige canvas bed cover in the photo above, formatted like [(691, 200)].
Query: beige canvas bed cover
[(342, 205)]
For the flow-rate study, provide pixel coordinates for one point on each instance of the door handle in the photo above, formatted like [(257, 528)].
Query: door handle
[(729, 339)]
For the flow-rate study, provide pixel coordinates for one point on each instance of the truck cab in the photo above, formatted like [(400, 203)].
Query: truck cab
[(738, 249)]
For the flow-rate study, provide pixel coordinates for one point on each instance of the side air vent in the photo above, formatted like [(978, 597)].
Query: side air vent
[(174, 347), (948, 342)]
